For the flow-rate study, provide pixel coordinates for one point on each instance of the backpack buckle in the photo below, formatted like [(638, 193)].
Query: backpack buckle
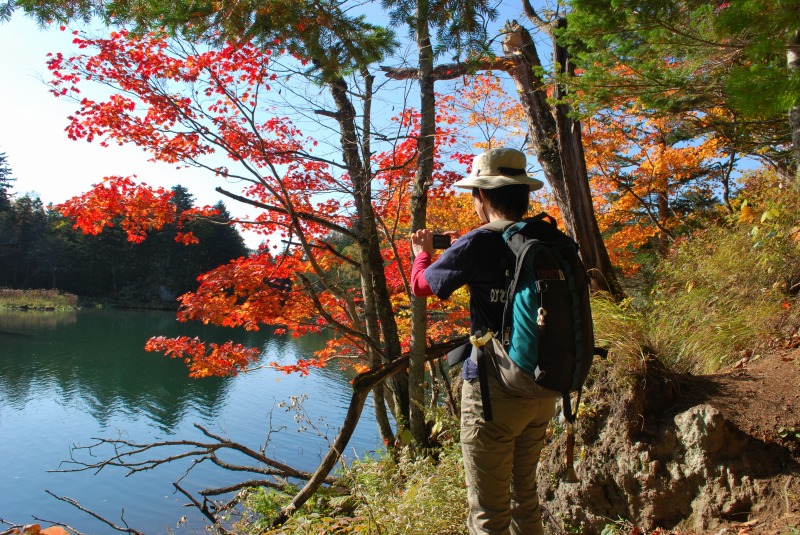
[(479, 341)]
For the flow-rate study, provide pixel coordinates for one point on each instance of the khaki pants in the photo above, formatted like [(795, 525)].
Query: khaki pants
[(500, 459)]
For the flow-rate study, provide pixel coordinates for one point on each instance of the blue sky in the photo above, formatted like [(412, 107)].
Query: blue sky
[(32, 122)]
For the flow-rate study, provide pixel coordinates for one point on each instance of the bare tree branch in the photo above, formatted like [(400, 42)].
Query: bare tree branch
[(125, 529), (243, 485), (203, 508), (126, 453), (451, 71), (362, 386), (280, 210)]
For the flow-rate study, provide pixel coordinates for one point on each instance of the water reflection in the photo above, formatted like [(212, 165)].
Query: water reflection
[(69, 378), (94, 360), (97, 360), (14, 321)]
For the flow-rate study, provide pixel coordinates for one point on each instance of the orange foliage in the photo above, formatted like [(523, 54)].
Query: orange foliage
[(137, 209), (183, 105), (203, 359), (483, 106), (640, 169)]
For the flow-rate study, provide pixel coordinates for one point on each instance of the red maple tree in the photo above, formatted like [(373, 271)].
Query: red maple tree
[(218, 109)]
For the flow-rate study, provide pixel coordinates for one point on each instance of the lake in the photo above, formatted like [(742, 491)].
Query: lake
[(67, 377)]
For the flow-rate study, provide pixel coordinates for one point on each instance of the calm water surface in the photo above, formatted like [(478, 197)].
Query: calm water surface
[(68, 377)]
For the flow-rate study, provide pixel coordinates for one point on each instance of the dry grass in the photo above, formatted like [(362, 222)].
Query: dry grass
[(729, 289), (407, 495), (37, 299)]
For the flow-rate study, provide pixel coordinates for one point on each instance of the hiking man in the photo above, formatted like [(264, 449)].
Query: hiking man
[(500, 452)]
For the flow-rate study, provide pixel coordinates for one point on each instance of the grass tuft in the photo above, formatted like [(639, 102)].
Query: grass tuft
[(727, 290), (406, 495)]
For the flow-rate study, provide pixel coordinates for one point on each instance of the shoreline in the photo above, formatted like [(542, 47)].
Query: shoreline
[(38, 299)]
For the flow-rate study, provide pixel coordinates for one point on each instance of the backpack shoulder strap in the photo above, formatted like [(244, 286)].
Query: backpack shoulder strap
[(498, 225), (544, 216)]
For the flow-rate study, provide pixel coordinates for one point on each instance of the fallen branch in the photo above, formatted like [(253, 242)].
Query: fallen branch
[(127, 454), (127, 451), (126, 529), (203, 508)]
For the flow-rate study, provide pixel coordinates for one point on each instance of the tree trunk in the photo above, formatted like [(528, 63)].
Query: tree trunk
[(556, 140), (419, 207), (369, 242), (332, 457), (793, 63), (663, 216), (362, 385), (370, 314), (371, 325)]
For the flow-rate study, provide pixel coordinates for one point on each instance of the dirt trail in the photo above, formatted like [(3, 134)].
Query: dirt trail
[(760, 396)]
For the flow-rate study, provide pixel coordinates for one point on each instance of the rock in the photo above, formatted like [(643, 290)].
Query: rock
[(701, 427), (692, 470)]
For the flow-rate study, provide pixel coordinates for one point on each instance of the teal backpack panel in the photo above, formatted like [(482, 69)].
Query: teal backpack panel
[(547, 327)]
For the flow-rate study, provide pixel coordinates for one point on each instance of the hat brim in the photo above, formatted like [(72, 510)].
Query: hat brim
[(498, 181)]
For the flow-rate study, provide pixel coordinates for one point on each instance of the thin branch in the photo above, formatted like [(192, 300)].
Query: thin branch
[(362, 386), (287, 471), (126, 529), (344, 329), (203, 508), (703, 42), (277, 209), (326, 113), (243, 485), (390, 238)]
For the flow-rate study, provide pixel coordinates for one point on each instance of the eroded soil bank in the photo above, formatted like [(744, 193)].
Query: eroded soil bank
[(689, 454)]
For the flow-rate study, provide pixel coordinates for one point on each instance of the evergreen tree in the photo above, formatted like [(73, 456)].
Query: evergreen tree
[(25, 224), (6, 232), (5, 183), (713, 57)]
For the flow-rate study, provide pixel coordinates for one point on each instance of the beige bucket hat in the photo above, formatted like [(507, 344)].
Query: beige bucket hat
[(496, 168)]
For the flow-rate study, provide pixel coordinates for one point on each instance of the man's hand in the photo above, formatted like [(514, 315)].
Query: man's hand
[(422, 240)]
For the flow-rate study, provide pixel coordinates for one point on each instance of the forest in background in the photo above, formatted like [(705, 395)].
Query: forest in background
[(39, 249)]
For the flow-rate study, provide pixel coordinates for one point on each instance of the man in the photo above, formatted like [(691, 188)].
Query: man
[(501, 453)]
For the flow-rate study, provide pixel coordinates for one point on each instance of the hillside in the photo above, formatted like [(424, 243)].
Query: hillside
[(759, 397)]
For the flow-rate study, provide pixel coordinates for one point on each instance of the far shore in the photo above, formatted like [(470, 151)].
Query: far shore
[(43, 300)]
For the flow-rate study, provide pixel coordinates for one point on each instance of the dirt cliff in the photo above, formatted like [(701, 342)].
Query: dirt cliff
[(684, 454)]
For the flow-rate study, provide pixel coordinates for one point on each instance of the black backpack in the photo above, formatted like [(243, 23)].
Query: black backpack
[(546, 345)]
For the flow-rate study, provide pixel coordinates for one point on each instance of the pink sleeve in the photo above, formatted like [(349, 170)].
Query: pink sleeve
[(419, 286)]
